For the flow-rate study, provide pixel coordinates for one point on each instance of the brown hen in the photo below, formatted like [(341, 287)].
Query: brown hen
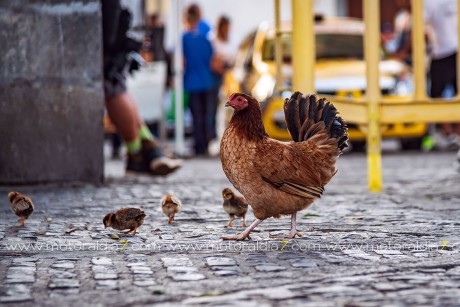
[(21, 205), (128, 219), (282, 178)]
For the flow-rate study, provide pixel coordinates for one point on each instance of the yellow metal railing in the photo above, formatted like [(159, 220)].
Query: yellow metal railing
[(278, 48), (303, 53), (418, 53), (373, 96), (372, 110)]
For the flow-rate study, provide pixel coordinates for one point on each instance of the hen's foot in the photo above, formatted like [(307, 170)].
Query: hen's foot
[(239, 237), (291, 235), (133, 232), (21, 222), (244, 234)]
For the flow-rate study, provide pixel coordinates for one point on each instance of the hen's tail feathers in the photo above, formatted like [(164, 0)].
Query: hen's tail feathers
[(308, 118)]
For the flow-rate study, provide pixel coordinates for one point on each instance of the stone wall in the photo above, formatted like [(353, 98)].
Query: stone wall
[(51, 98)]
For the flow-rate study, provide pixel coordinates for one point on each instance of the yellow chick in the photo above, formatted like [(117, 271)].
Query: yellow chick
[(170, 206)]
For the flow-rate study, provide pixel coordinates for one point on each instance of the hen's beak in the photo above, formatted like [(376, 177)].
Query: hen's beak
[(228, 104)]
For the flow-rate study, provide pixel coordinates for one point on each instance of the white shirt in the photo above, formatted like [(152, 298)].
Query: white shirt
[(441, 15), (224, 49)]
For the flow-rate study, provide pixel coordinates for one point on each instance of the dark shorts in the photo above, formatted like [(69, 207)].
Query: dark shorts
[(113, 88), (443, 72)]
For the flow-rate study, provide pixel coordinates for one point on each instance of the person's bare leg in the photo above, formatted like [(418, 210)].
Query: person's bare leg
[(139, 122), (293, 231), (123, 116), (245, 233), (135, 111)]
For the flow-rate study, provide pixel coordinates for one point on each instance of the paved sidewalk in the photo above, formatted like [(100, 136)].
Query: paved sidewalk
[(397, 248)]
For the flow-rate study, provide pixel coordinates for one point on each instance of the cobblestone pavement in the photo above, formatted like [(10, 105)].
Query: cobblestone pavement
[(397, 248)]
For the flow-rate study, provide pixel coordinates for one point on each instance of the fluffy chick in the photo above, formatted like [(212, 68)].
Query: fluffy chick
[(21, 205), (126, 218), (170, 206), (234, 206)]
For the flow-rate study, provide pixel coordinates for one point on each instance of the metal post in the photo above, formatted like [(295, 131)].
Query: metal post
[(418, 53), (303, 46), (178, 80), (372, 56), (278, 48)]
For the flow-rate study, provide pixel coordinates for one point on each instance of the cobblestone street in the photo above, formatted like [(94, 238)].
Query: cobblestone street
[(400, 247)]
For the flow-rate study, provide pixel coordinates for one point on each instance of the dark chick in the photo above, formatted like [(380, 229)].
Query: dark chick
[(21, 205), (128, 219), (234, 206)]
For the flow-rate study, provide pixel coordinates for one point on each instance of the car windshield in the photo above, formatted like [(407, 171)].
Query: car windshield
[(327, 46)]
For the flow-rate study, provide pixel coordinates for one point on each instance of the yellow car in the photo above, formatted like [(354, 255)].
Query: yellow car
[(340, 70)]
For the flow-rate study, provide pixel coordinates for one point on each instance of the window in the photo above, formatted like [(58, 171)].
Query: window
[(327, 46)]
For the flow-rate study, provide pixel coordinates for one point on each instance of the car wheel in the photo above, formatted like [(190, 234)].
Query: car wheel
[(411, 143), (358, 146)]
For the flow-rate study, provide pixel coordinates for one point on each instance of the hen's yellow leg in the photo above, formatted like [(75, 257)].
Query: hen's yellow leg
[(245, 233), (294, 232)]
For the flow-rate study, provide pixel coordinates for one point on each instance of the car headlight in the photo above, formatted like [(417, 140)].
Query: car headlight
[(264, 87)]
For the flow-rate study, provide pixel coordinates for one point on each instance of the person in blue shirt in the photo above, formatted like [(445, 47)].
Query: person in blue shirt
[(202, 27), (198, 78)]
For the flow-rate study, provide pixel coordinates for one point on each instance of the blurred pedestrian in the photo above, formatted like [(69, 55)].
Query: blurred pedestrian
[(400, 45), (197, 77), (144, 153), (387, 35), (441, 17), (222, 60), (202, 26), (155, 36)]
